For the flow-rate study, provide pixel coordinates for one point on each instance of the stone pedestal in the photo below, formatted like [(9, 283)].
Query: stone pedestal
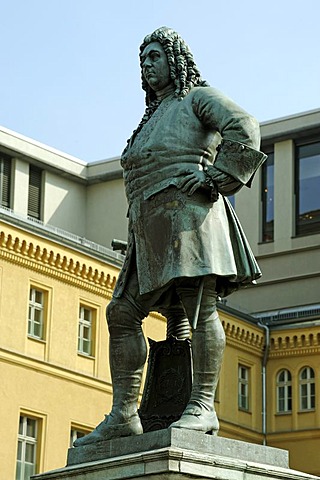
[(175, 454)]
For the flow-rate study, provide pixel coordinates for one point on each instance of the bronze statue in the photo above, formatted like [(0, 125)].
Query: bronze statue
[(192, 148)]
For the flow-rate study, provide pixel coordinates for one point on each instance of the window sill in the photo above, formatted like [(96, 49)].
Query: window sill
[(266, 242), (309, 410), (85, 355), (36, 339), (309, 234), (244, 410), (281, 414)]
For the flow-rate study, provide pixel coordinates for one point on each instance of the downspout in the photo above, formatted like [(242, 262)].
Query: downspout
[(264, 381)]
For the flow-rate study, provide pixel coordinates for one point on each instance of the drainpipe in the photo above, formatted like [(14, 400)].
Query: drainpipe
[(264, 381)]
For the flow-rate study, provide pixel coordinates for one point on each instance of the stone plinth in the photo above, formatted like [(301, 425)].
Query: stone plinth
[(175, 454)]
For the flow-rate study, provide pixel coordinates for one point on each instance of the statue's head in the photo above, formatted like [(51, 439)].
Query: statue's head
[(182, 71)]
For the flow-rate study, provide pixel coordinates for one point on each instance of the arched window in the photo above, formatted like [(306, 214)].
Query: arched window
[(284, 391), (307, 389)]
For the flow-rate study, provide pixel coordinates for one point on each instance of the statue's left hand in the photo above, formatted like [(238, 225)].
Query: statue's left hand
[(192, 181)]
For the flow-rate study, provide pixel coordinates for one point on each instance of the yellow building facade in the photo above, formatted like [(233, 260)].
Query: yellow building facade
[(55, 388), (57, 273)]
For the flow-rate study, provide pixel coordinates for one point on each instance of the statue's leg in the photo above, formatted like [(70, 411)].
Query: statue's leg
[(127, 350), (177, 322), (208, 343)]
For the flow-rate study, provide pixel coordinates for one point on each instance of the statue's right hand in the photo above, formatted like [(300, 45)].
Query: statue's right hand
[(192, 181)]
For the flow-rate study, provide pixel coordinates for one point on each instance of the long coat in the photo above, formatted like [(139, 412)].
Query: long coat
[(173, 234)]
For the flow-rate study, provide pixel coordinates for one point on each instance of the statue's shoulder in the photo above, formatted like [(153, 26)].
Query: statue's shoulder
[(209, 96), (204, 91)]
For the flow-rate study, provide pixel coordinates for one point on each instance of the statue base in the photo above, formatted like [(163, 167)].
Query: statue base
[(175, 454)]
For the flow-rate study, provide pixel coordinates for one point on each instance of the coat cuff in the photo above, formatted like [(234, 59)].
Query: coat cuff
[(239, 161)]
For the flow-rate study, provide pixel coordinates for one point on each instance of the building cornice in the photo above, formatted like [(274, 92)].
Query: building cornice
[(292, 341), (104, 170), (301, 352), (60, 236), (20, 146), (314, 113), (245, 336), (295, 342), (50, 262), (291, 127)]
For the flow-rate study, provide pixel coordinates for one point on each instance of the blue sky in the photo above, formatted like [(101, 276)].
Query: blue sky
[(70, 72)]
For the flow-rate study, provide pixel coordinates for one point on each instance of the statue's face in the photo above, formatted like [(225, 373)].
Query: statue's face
[(155, 67)]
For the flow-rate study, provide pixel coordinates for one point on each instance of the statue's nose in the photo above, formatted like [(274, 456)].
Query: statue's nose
[(146, 63)]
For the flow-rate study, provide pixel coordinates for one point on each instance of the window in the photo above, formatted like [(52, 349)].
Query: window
[(34, 196), (76, 433), (36, 313), (5, 180), (267, 199), (85, 331), (307, 189), (284, 392), (232, 200), (243, 387), (307, 389), (27, 448)]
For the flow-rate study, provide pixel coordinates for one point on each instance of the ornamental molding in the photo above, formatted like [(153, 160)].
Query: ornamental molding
[(47, 262), (243, 336), (295, 352), (295, 343)]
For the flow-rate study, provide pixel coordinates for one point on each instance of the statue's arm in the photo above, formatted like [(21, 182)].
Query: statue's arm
[(219, 113), (238, 155)]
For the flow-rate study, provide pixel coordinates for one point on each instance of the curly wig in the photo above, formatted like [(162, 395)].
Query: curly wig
[(183, 70)]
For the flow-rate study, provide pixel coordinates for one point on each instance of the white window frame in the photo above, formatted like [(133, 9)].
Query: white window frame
[(34, 307), (243, 387), (284, 391), (307, 389), (76, 433), (26, 442), (85, 331)]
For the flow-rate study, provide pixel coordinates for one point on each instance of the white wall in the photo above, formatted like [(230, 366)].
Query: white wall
[(106, 212), (64, 203)]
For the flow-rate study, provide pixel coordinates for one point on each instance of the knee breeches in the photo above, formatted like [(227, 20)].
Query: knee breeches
[(175, 301)]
